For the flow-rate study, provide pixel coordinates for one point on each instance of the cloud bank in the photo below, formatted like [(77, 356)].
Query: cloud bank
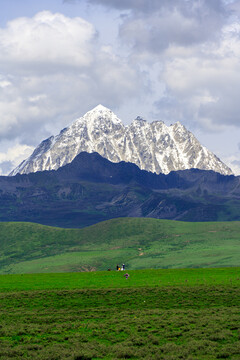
[(181, 57), (53, 68), (194, 45)]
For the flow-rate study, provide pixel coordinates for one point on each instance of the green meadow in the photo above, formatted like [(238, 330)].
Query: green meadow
[(181, 301), (114, 279), (167, 314), (140, 243)]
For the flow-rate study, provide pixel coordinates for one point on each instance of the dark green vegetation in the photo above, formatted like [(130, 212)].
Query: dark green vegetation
[(182, 314), (138, 242), (92, 189)]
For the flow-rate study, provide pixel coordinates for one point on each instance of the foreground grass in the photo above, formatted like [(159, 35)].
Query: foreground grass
[(115, 279), (155, 314), (138, 242)]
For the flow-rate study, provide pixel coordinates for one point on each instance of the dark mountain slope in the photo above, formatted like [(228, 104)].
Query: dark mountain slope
[(92, 189)]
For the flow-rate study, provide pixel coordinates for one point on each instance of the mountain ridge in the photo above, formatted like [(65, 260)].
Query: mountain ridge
[(91, 189), (154, 146)]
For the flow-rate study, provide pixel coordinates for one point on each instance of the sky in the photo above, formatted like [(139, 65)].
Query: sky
[(169, 60)]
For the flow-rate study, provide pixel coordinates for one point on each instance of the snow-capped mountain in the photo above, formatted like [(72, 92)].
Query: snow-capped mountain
[(154, 146)]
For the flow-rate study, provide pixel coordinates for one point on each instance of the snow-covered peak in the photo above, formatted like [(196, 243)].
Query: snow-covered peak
[(154, 146), (100, 109), (178, 126), (101, 114)]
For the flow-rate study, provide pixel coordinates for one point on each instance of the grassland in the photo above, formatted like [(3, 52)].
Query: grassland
[(191, 314), (138, 242), (114, 279)]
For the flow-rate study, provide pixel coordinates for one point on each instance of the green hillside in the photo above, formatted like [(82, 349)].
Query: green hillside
[(138, 242)]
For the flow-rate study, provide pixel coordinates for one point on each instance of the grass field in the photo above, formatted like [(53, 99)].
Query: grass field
[(114, 279), (138, 242), (155, 314)]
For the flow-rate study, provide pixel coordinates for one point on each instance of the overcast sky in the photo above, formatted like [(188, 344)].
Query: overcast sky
[(170, 60)]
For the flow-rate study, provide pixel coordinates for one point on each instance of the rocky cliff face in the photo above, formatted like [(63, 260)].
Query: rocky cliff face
[(154, 146)]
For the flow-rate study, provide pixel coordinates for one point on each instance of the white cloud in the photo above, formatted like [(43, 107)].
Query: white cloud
[(15, 153), (53, 68), (154, 25), (194, 47), (205, 84), (233, 161), (158, 31), (46, 41), (13, 156)]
